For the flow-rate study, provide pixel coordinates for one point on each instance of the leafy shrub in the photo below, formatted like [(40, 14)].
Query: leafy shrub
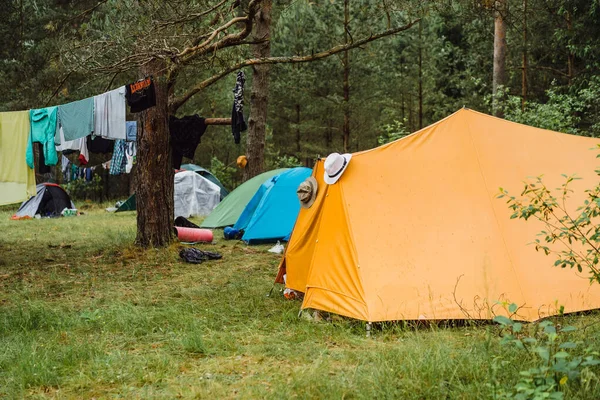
[(393, 131), (575, 239), (556, 360), (81, 189)]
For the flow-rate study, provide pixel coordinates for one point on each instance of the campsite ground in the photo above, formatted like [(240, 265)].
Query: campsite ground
[(84, 314)]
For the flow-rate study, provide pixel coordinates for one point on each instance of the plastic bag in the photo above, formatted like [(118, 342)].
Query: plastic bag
[(278, 248)]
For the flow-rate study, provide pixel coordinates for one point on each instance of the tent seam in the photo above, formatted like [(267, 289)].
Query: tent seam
[(512, 265), (353, 240), (336, 292)]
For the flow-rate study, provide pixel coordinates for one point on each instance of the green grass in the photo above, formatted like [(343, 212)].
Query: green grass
[(85, 314)]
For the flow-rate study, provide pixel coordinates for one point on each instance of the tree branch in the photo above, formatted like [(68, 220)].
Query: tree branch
[(178, 102), (232, 39)]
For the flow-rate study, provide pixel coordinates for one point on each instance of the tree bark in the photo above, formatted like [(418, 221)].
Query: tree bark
[(298, 129), (571, 56), (499, 73), (420, 74), (255, 142), (346, 62), (154, 181), (524, 60)]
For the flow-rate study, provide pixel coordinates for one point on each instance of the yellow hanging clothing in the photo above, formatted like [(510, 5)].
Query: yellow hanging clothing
[(17, 180)]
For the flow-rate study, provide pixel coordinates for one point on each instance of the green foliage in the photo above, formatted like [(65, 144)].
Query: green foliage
[(226, 174), (394, 131), (81, 189), (574, 239), (569, 112), (557, 361)]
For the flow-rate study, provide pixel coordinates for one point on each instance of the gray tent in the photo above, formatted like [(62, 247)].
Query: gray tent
[(49, 201)]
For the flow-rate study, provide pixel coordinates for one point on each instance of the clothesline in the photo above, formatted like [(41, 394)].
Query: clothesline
[(79, 124), (65, 127)]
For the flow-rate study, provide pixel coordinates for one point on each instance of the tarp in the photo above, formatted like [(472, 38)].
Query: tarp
[(17, 180), (208, 175), (229, 210), (128, 205), (271, 213), (194, 195), (414, 229)]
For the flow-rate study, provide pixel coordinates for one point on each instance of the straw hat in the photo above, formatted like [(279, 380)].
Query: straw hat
[(307, 192), (335, 165)]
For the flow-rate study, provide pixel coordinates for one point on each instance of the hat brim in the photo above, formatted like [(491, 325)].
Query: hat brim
[(313, 193), (331, 180)]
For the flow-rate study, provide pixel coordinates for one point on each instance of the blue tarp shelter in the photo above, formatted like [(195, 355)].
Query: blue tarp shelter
[(271, 213)]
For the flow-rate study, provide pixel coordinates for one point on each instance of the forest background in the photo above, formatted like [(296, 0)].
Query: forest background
[(396, 85)]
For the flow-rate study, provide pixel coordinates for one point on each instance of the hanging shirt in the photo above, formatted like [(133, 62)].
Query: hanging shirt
[(131, 128), (79, 145), (17, 181), (109, 114), (98, 145), (185, 136), (238, 124), (118, 161), (76, 119), (43, 129), (140, 95)]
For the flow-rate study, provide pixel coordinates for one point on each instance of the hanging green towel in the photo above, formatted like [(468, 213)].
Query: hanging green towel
[(76, 119), (43, 129)]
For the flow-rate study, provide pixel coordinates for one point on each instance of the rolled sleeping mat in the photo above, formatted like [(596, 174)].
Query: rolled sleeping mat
[(193, 234)]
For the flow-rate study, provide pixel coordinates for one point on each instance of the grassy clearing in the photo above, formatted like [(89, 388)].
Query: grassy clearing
[(85, 314)]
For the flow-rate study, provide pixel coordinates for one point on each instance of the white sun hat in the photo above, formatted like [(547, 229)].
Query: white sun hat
[(335, 165)]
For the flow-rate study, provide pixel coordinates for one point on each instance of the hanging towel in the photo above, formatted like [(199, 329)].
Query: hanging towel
[(140, 95), (109, 114), (78, 144), (131, 128), (17, 181), (130, 154), (76, 119), (43, 130)]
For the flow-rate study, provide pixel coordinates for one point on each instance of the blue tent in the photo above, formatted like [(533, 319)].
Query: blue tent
[(271, 213)]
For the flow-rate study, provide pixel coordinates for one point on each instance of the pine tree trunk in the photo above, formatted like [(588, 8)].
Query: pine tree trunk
[(524, 60), (346, 62), (499, 74), (298, 129), (420, 74), (255, 144), (154, 180), (571, 56)]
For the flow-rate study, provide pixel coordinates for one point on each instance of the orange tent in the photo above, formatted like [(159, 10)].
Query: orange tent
[(414, 230)]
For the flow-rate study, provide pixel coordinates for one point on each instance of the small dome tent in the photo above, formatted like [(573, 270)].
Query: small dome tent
[(229, 210), (49, 201), (194, 195), (271, 213)]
